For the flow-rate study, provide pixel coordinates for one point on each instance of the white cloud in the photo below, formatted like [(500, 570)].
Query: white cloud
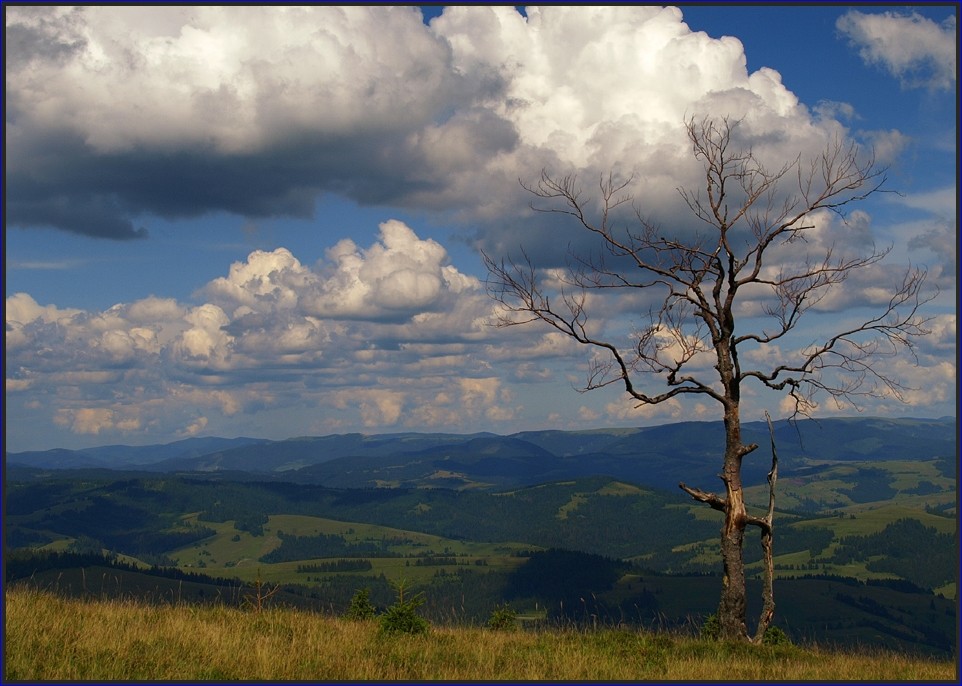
[(485, 397), (258, 110), (22, 309), (205, 343), (914, 49), (668, 411), (94, 420), (261, 109), (478, 392), (152, 310), (887, 146), (377, 407), (228, 77), (398, 276), (265, 282), (386, 351), (942, 202), (586, 414), (195, 427)]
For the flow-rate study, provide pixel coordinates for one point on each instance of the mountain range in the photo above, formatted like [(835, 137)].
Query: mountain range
[(658, 456), (866, 551)]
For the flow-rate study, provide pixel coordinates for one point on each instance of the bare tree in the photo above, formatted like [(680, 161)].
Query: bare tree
[(756, 218)]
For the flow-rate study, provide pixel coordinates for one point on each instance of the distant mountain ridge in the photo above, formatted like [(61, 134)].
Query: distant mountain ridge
[(127, 456), (657, 456)]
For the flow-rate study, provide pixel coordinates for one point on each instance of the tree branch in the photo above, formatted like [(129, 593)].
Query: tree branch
[(714, 501)]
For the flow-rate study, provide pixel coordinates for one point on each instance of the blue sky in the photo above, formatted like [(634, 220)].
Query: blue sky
[(256, 221)]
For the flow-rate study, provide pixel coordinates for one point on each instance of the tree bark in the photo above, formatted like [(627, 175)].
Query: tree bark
[(767, 526), (731, 608)]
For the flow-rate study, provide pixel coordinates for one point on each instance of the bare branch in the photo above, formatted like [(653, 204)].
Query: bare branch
[(716, 502), (696, 286), (855, 351)]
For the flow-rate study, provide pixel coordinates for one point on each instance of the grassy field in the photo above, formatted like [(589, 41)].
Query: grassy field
[(48, 637), (231, 553), (835, 481)]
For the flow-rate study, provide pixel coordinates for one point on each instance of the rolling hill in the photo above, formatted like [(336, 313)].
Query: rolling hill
[(866, 549), (658, 456)]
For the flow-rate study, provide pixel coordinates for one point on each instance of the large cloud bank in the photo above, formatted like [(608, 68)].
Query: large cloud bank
[(118, 114), (392, 335), (365, 334)]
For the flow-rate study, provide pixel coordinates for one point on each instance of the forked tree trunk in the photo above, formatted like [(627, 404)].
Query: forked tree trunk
[(732, 607)]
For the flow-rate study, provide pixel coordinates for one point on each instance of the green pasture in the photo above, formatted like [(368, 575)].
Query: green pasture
[(232, 553)]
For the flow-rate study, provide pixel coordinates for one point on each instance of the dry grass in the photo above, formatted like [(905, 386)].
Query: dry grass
[(53, 638)]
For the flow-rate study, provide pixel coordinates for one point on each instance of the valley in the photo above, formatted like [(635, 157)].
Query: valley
[(866, 543)]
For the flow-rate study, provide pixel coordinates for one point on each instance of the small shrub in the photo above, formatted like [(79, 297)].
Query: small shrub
[(774, 636), (402, 617), (361, 607), (711, 628), (503, 618), (262, 592)]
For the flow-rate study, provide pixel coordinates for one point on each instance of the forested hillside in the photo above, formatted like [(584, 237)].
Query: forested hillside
[(592, 549)]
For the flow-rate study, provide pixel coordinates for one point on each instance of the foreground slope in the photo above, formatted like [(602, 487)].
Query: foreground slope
[(52, 638)]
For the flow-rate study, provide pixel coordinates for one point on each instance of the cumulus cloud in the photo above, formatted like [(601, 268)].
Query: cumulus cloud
[(377, 407), (195, 427), (396, 278), (399, 275), (21, 309), (382, 334), (115, 114), (914, 49), (94, 420), (886, 146), (180, 111), (255, 349), (204, 343), (591, 90)]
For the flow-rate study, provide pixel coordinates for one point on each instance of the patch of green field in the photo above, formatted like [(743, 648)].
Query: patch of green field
[(576, 500), (876, 517), (698, 511), (620, 488), (231, 553), (907, 475), (58, 546), (947, 591), (707, 554), (831, 485), (222, 550)]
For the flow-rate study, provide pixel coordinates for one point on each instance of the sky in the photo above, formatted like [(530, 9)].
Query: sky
[(269, 221)]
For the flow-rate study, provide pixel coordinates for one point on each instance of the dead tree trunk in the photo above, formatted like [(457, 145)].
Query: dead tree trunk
[(732, 608), (767, 526)]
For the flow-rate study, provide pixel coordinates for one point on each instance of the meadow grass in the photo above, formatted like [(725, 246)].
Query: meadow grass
[(230, 553), (49, 637)]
